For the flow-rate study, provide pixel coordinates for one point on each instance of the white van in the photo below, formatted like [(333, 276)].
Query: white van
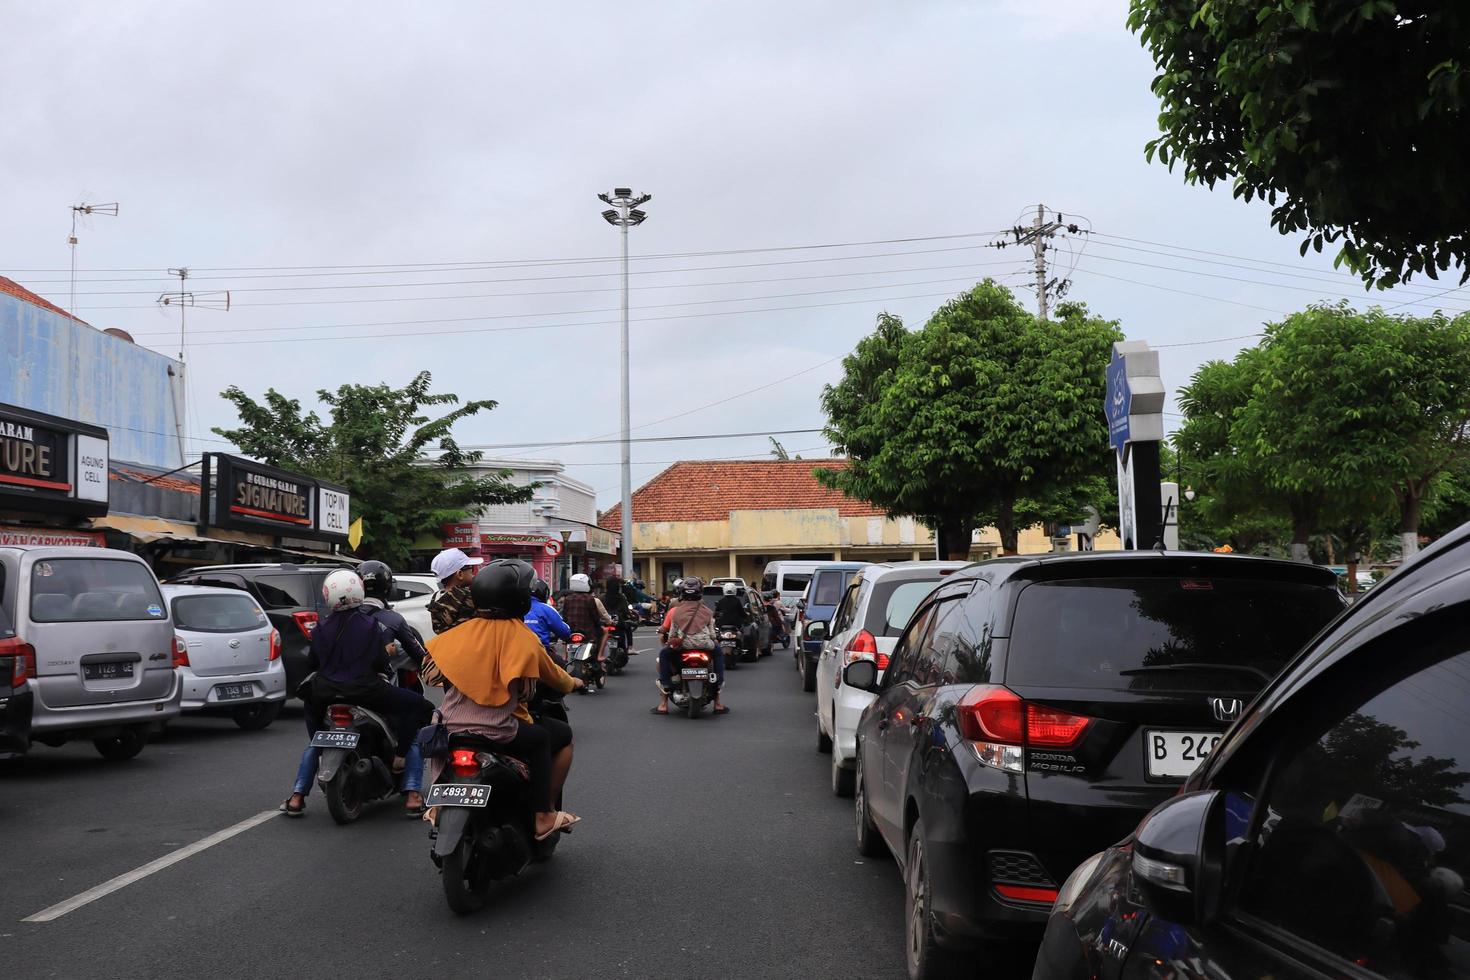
[(789, 579)]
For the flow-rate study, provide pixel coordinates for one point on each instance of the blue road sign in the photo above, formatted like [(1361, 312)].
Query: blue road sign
[(1119, 401)]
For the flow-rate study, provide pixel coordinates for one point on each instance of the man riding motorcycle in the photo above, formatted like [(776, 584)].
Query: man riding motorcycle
[(731, 612), (544, 620), (584, 612), (377, 584), (454, 570), (690, 623)]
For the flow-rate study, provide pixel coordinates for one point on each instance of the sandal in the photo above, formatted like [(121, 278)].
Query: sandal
[(722, 710), (286, 808), (563, 824), (656, 710), (414, 812)]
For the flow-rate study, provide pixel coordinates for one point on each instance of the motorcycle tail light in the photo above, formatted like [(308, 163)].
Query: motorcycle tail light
[(696, 657), (464, 762), (576, 637), (340, 715)]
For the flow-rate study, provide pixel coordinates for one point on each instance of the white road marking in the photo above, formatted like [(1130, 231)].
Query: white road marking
[(139, 873)]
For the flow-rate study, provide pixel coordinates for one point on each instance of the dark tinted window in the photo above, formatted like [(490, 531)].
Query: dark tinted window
[(1162, 634), (829, 585), (285, 590), (1364, 847), (906, 654), (842, 619), (942, 637), (217, 613), (795, 581), (893, 604), (93, 590), (410, 590), (967, 661)]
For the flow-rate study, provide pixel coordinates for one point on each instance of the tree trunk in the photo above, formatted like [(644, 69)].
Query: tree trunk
[(1304, 510), (954, 538), (1411, 503), (1005, 523), (1352, 577)]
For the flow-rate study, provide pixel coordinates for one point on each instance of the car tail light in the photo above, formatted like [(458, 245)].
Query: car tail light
[(17, 661), (340, 715), (864, 647), (275, 653), (464, 762), (181, 652), (1027, 893), (1000, 724), (696, 657), (305, 621)]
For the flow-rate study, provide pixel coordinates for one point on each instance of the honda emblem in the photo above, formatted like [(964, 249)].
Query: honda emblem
[(1226, 709)]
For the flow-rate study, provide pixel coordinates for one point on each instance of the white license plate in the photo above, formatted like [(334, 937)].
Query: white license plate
[(457, 794), (1174, 755), (335, 740)]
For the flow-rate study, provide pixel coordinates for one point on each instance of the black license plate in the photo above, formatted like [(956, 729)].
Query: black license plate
[(233, 692), (458, 794), (699, 672), (114, 671), (335, 740)]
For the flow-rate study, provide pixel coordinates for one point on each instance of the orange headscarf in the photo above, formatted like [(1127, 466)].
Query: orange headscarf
[(481, 657)]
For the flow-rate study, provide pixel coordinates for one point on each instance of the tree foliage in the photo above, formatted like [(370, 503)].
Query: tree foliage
[(986, 415), (1348, 116), (373, 443)]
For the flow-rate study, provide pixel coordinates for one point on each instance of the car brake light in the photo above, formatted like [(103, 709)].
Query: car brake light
[(22, 661), (1025, 893), (464, 762), (1000, 724), (305, 621), (275, 645), (340, 715), (181, 652), (864, 647)]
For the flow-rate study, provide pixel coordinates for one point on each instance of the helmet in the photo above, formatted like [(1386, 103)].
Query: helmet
[(377, 579), (730, 588), (678, 584), (503, 586), (342, 590), (691, 587), (580, 583), (541, 590)]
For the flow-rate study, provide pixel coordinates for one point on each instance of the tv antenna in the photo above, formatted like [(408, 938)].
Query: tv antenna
[(216, 299), (78, 210)]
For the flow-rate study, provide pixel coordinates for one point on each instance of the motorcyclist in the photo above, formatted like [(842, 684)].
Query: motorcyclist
[(544, 620), (454, 570), (693, 622), (492, 665), (347, 658), (377, 584), (773, 612), (584, 612), (621, 610)]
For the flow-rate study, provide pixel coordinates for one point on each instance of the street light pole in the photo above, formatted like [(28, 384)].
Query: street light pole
[(625, 214)]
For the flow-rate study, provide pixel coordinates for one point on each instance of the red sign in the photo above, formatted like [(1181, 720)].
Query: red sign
[(50, 537), (552, 547), (461, 535)]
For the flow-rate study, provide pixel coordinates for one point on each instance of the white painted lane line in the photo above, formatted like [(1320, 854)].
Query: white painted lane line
[(138, 874)]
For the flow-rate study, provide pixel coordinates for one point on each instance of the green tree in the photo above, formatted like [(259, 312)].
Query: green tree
[(1348, 116), (373, 443), (961, 422)]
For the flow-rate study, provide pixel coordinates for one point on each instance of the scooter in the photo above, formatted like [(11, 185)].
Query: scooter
[(729, 640), (582, 663), (356, 762), (694, 682), (616, 650)]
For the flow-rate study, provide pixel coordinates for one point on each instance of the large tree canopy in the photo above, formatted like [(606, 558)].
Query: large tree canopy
[(1348, 116), (374, 444), (986, 415)]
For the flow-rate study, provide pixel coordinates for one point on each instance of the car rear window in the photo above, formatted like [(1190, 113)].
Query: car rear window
[(1162, 634), (288, 590), (830, 585), (795, 581), (217, 613), (93, 590), (893, 605)]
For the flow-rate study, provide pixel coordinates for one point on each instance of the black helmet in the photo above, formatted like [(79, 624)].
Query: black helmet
[(503, 586), (377, 580), (541, 590)]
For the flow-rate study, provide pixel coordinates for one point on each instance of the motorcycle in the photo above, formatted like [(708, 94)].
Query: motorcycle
[(355, 767), (729, 640), (694, 682), (616, 650), (582, 663)]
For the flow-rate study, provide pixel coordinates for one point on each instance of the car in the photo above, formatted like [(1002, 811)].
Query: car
[(876, 607), (17, 667), (761, 629), (756, 636), (829, 581), (411, 597), (1327, 834), (233, 654), (290, 594), (1036, 708), (98, 642)]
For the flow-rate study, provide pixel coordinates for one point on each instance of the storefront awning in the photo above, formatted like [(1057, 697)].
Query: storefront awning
[(151, 529)]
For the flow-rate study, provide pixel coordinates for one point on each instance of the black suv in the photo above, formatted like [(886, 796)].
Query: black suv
[(291, 596), (1035, 708), (1329, 832)]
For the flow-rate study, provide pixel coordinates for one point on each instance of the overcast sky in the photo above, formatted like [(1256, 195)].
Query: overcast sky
[(249, 138)]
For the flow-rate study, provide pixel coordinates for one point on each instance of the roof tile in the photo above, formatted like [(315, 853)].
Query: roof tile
[(13, 288), (708, 490)]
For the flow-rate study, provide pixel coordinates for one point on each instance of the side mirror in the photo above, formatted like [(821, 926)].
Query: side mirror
[(816, 631), (1179, 857), (861, 674)]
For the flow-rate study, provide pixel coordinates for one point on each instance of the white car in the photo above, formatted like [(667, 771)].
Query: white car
[(233, 661), (411, 597), (867, 625)]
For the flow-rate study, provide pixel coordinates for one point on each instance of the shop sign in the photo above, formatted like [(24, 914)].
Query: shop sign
[(601, 541), (51, 465), (250, 496), (491, 542), (463, 534), (49, 537)]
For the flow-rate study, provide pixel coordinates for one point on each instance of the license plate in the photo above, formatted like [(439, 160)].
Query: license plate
[(233, 692), (457, 794), (693, 672), (117, 670), (335, 740), (1174, 755)]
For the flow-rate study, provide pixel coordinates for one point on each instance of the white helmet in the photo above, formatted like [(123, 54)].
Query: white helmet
[(581, 583), (730, 588), (342, 590), (678, 582)]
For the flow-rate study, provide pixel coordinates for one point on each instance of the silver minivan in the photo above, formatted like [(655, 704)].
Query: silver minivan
[(104, 645), (233, 654)]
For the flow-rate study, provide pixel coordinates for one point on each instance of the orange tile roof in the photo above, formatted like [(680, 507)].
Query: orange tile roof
[(708, 490), (15, 289)]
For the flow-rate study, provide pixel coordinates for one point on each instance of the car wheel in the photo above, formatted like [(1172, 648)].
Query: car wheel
[(869, 844), (842, 779), (925, 958), (824, 743), (254, 717), (124, 746), (808, 674)]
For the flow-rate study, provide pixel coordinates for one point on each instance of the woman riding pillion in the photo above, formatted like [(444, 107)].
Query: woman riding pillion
[(347, 659), (689, 625), (584, 612), (491, 666)]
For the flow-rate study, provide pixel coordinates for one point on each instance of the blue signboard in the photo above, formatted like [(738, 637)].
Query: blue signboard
[(1119, 401)]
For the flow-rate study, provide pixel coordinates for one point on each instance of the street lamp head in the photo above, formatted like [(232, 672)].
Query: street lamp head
[(604, 199), (611, 216), (1189, 493), (641, 200), (636, 217), (622, 192)]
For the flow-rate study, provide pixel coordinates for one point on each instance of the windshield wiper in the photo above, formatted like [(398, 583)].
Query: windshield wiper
[(1258, 674)]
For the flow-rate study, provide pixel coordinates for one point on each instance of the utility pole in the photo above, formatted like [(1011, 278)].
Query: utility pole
[(625, 214), (1037, 236), (78, 210), (183, 299)]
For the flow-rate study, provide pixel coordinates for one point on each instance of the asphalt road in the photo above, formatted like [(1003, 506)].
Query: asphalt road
[(709, 848)]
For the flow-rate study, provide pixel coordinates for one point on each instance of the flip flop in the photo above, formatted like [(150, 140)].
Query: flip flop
[(562, 825), (655, 711), (722, 711), (285, 808)]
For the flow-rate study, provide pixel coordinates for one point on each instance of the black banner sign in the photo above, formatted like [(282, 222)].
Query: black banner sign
[(251, 496), (39, 464)]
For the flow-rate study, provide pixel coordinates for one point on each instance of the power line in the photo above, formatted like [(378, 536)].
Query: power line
[(1185, 292), (615, 442)]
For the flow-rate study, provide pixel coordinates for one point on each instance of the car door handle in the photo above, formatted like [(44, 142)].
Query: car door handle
[(882, 722)]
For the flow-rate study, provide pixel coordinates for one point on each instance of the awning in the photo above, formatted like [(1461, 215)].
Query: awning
[(151, 529)]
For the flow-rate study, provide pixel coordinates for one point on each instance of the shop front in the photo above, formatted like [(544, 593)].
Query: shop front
[(557, 551), (53, 479)]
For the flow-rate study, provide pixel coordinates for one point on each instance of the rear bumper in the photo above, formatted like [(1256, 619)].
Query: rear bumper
[(848, 705), (49, 720), (15, 722), (967, 910), (199, 692)]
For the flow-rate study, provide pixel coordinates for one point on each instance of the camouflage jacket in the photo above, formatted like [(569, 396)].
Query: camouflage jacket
[(451, 608)]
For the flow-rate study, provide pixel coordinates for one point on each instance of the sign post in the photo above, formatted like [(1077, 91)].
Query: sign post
[(1134, 408)]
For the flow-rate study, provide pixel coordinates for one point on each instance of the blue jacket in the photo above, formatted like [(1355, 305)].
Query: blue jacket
[(398, 627), (546, 623)]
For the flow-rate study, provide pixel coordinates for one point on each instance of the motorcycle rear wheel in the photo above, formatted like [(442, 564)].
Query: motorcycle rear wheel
[(344, 793), (694, 705), (463, 898)]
